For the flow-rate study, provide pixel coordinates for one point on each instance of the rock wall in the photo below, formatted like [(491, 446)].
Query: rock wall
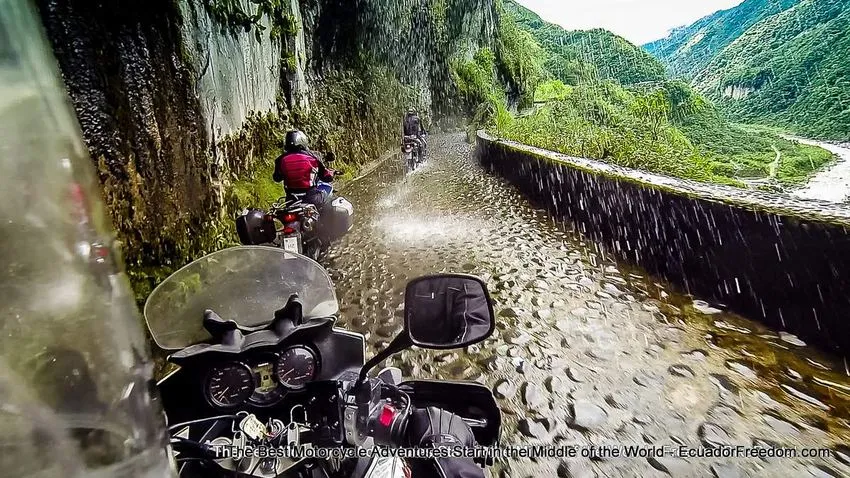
[(780, 261), (180, 100), (135, 97), (737, 92)]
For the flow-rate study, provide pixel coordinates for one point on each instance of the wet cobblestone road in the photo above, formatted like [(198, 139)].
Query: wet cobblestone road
[(587, 351)]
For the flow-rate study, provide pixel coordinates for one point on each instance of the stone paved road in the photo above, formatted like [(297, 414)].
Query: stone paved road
[(587, 351)]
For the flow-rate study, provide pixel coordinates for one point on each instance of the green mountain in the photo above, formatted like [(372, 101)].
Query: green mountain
[(601, 97), (791, 69), (688, 50), (592, 55)]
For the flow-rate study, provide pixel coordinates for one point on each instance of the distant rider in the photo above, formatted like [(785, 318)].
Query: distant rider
[(301, 170), (413, 127), (83, 408)]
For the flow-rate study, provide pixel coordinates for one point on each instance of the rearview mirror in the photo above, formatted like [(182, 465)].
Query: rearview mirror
[(443, 311), (330, 157), (447, 311)]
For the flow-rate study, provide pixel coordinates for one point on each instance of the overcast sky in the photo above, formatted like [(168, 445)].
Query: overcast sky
[(639, 21)]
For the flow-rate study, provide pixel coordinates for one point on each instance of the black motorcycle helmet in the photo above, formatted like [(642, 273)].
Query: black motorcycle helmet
[(296, 141)]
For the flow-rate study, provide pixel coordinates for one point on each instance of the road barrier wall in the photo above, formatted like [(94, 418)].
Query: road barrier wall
[(782, 261)]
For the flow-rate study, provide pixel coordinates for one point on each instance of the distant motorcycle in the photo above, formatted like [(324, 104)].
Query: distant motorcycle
[(412, 152), (304, 229)]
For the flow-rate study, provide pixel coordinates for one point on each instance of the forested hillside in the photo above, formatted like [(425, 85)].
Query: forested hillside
[(780, 62), (688, 50), (599, 96), (791, 70), (581, 56)]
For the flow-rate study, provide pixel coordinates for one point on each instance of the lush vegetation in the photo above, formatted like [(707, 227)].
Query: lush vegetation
[(665, 129), (788, 67), (688, 50), (492, 80), (790, 70), (520, 59), (581, 56), (611, 101), (529, 51), (233, 17)]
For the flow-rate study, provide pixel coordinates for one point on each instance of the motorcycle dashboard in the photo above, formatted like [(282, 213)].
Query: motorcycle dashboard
[(265, 380), (261, 379)]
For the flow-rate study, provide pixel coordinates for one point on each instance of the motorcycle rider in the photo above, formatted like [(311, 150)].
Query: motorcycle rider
[(412, 125), (84, 337), (300, 170)]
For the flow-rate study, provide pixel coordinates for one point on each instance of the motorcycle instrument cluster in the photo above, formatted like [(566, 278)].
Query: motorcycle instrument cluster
[(262, 381)]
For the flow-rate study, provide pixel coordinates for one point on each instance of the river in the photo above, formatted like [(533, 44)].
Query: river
[(833, 183), (587, 351)]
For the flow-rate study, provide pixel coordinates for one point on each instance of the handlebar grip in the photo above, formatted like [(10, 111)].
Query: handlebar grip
[(371, 413), (435, 426), (388, 424)]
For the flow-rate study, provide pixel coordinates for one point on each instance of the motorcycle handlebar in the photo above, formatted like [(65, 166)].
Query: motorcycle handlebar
[(376, 410), (373, 409)]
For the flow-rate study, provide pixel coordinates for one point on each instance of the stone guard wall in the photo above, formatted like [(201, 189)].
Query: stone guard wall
[(782, 262)]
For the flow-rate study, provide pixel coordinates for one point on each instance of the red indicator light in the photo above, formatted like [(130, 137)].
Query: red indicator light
[(387, 415)]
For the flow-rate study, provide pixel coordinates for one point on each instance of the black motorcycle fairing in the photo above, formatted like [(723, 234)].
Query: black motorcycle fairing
[(340, 354), (469, 400), (235, 342)]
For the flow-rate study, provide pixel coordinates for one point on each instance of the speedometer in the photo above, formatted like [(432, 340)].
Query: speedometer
[(229, 385), (296, 367)]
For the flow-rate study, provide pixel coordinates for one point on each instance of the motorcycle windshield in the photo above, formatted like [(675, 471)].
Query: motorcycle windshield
[(244, 284)]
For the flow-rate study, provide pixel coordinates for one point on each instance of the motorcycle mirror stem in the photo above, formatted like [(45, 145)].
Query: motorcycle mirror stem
[(443, 311), (401, 342)]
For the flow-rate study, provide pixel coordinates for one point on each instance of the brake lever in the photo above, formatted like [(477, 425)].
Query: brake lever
[(472, 422)]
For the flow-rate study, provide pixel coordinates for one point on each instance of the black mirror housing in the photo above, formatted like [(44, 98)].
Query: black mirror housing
[(447, 311), (444, 311)]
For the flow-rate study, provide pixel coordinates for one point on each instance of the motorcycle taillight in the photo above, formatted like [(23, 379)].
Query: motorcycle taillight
[(290, 217), (100, 251)]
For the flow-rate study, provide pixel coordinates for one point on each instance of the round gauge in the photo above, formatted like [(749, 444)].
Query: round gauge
[(229, 385), (296, 367)]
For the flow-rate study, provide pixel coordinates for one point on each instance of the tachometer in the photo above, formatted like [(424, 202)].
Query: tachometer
[(296, 367), (229, 385)]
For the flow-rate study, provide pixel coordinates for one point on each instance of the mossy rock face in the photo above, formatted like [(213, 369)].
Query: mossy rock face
[(172, 191), (141, 120)]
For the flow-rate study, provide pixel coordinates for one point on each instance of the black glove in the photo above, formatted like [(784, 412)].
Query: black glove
[(434, 427)]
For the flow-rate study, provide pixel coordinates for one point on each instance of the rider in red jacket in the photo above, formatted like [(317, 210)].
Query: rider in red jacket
[(300, 170)]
